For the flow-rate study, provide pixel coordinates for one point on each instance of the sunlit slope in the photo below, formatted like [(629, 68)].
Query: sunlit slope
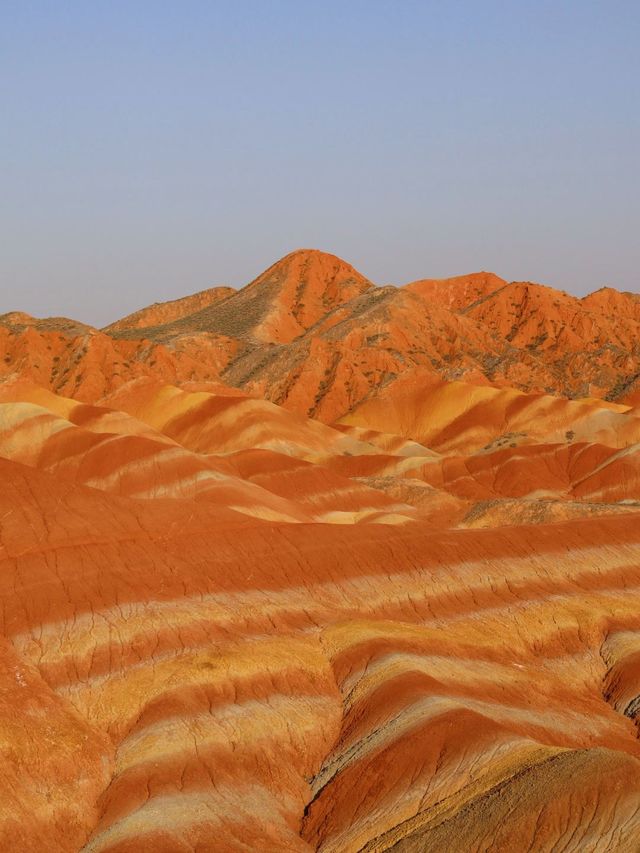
[(235, 685), (458, 416), (194, 446)]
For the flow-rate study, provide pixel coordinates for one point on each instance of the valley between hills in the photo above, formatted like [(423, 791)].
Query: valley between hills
[(323, 565)]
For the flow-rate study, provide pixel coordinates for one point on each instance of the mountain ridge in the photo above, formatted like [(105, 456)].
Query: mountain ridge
[(313, 334)]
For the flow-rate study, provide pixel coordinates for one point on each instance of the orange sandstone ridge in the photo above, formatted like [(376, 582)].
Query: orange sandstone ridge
[(317, 565)]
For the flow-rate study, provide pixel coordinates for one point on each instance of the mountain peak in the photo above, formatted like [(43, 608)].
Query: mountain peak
[(300, 289), (314, 264)]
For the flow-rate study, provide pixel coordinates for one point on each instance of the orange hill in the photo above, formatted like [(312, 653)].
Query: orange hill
[(317, 565)]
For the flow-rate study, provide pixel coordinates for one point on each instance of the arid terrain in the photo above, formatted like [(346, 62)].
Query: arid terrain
[(322, 565)]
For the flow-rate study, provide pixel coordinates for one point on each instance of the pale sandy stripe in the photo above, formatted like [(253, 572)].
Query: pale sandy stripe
[(324, 602), (219, 807)]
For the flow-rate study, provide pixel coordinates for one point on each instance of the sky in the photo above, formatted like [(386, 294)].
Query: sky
[(152, 149)]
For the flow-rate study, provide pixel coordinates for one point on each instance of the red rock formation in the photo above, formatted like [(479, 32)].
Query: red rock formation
[(228, 626)]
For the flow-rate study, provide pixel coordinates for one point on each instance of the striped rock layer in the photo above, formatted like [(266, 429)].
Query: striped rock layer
[(409, 623)]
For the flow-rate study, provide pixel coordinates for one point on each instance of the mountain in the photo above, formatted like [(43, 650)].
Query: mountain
[(168, 312), (315, 336), (282, 303), (319, 565)]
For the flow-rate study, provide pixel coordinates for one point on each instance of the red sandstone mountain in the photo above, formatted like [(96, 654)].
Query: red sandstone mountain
[(315, 336), (317, 565)]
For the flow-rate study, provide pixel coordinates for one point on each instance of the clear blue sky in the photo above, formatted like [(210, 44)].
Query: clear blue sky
[(151, 149)]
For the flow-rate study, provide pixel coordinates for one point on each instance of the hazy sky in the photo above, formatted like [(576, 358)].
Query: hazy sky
[(152, 149)]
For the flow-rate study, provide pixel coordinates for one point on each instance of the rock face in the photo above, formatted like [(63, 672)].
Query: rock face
[(322, 566)]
